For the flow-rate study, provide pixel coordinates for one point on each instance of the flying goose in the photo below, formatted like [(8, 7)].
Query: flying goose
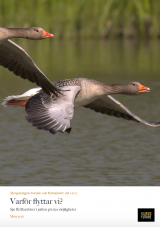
[(16, 59), (53, 113)]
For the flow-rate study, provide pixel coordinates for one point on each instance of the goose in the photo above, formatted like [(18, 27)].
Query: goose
[(53, 113), (16, 59)]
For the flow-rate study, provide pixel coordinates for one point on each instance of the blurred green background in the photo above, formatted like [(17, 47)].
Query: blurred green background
[(84, 19), (108, 40)]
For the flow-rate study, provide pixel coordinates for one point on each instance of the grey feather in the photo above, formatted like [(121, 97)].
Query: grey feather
[(16, 59), (50, 112), (110, 106)]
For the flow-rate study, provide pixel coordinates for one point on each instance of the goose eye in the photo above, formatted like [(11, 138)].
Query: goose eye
[(37, 30), (134, 85)]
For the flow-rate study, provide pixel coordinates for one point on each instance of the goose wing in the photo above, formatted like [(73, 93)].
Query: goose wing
[(52, 113), (16, 59), (109, 105)]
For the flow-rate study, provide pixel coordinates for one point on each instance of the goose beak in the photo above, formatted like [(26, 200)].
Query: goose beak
[(46, 35), (143, 89)]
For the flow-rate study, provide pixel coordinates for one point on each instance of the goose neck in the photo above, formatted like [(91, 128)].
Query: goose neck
[(115, 89), (17, 33)]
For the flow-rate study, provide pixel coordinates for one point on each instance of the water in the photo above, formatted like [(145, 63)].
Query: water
[(100, 150)]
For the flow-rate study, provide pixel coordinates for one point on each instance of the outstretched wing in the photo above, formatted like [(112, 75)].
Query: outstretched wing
[(16, 59), (52, 113), (109, 105)]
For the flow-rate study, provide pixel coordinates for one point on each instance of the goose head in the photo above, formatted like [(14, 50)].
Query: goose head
[(38, 33), (135, 88)]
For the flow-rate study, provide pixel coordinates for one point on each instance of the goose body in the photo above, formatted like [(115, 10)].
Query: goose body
[(53, 113), (16, 59)]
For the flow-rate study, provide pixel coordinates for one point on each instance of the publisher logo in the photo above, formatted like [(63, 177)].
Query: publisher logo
[(146, 215)]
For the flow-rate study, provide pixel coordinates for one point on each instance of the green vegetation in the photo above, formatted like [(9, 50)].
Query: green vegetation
[(85, 18)]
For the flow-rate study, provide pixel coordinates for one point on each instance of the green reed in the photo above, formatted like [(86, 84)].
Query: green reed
[(85, 18)]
